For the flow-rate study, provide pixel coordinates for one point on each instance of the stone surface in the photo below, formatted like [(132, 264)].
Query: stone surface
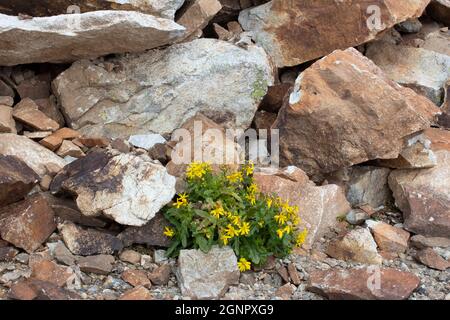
[(66, 38), (99, 264), (7, 253), (51, 272), (27, 224), (356, 245), (7, 123), (33, 289), (149, 95), (197, 15), (138, 293), (136, 278), (16, 180), (334, 119), (27, 112), (6, 101), (207, 276), (440, 11), (357, 217), (63, 255), (130, 256), (274, 98), (294, 32), (38, 158), (360, 284), (444, 118), (431, 259), (68, 148), (319, 206), (55, 140), (421, 242), (389, 238), (160, 276), (422, 70), (146, 141), (128, 188), (87, 242)]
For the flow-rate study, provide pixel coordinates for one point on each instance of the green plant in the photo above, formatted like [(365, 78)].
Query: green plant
[(226, 208)]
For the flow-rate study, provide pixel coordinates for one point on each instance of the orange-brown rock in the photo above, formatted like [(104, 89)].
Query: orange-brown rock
[(27, 112), (389, 238), (49, 271), (345, 111), (136, 278), (197, 15), (7, 123), (138, 293), (293, 32), (55, 140)]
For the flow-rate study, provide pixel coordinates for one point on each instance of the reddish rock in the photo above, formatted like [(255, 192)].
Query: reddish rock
[(55, 140), (160, 276), (285, 292), (440, 11), (34, 88), (430, 258), (422, 242), (363, 284), (264, 120), (7, 123), (91, 142), (27, 224), (50, 108), (136, 278), (49, 271), (334, 119), (100, 264), (138, 293), (68, 148), (273, 100), (389, 238), (130, 256), (33, 289), (283, 272), (27, 112), (293, 274), (16, 179), (7, 253)]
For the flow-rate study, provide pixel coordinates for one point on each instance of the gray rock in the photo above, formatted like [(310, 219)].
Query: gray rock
[(146, 141), (157, 91), (423, 242), (357, 217), (207, 275), (409, 26), (100, 264)]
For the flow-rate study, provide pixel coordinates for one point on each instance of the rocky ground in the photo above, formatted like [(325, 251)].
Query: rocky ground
[(91, 104)]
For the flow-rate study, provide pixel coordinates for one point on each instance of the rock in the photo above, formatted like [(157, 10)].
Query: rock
[(286, 291), (27, 112), (274, 98), (146, 141), (424, 197), (127, 188), (363, 284), (55, 140), (6, 101), (357, 245), (422, 70), (67, 38), (68, 148), (421, 242), (197, 15), (7, 123), (7, 253), (33, 88), (100, 264), (37, 135), (334, 120), (38, 158), (444, 118), (92, 142), (389, 238), (138, 293), (33, 289), (150, 93), (207, 275), (5, 90), (87, 242), (409, 26), (283, 272), (440, 11), (300, 31), (130, 256), (293, 274), (50, 108), (161, 275), (16, 179), (63, 255), (27, 224), (136, 278), (150, 234), (51, 272), (357, 217), (431, 259), (264, 120), (319, 206), (23, 258)]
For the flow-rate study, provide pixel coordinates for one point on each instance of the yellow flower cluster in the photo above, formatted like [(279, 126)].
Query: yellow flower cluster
[(196, 170), (244, 265), (301, 237), (235, 177), (287, 218), (252, 190), (169, 232), (235, 228), (182, 201), (249, 168)]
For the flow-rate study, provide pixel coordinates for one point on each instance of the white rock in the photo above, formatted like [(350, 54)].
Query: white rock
[(146, 141)]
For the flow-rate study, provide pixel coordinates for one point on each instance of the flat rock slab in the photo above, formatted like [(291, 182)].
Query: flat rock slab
[(363, 284), (71, 37), (157, 91)]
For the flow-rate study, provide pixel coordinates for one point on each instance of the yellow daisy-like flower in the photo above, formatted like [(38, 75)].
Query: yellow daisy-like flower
[(249, 168), (235, 177), (245, 229), (301, 237), (231, 231), (197, 170), (288, 229), (251, 198), (244, 265), (236, 220), (218, 212), (225, 239), (280, 218), (169, 232), (253, 188), (269, 203), (280, 233), (182, 201)]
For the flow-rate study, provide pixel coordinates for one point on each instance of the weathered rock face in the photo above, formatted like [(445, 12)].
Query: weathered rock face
[(16, 179), (34, 155), (361, 284), (423, 195), (207, 275), (357, 245), (28, 113), (294, 32), (163, 8), (344, 111), (319, 206), (33, 289), (27, 224), (440, 11), (444, 118), (433, 260), (389, 238), (66, 38), (424, 71), (157, 91), (127, 188), (7, 123)]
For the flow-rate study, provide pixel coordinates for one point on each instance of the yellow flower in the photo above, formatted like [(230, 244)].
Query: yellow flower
[(261, 223), (225, 239), (280, 218), (253, 188), (244, 265), (197, 170), (218, 212), (249, 168), (251, 198), (269, 203), (288, 229), (280, 233), (236, 220), (235, 177), (231, 231), (182, 201), (245, 229), (301, 237), (169, 232)]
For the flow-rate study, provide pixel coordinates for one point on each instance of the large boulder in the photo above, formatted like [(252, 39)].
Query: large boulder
[(66, 38), (440, 11), (156, 91), (319, 206), (343, 111), (38, 158), (424, 71), (293, 32), (128, 188), (424, 195)]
